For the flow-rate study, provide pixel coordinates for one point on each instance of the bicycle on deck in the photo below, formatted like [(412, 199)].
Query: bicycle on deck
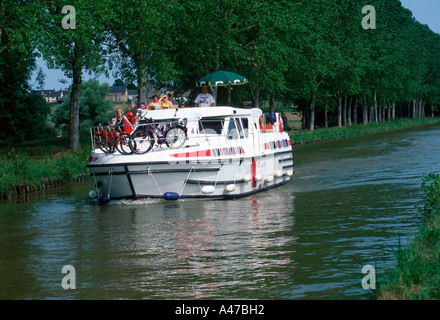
[(149, 134), (111, 139)]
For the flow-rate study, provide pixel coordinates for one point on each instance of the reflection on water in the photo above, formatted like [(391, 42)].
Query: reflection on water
[(352, 202), (154, 249)]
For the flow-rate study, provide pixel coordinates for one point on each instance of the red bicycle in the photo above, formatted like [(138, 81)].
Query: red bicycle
[(111, 139)]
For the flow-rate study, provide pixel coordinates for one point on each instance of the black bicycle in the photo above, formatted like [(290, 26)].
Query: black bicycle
[(149, 134)]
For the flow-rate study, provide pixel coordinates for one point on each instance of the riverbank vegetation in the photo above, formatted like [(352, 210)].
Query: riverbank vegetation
[(416, 275), (336, 62), (39, 166), (299, 137)]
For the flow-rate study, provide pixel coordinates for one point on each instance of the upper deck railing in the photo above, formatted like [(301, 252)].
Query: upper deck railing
[(230, 130)]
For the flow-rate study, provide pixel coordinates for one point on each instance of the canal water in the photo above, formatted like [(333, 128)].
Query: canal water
[(351, 203)]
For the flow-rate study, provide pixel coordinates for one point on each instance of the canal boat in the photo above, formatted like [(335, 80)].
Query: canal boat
[(227, 153)]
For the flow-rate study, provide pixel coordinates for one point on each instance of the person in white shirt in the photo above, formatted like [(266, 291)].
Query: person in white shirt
[(204, 99), (141, 112)]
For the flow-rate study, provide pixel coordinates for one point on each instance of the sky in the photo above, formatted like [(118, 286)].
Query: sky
[(424, 11)]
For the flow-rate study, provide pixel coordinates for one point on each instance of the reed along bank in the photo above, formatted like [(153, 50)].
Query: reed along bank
[(416, 275)]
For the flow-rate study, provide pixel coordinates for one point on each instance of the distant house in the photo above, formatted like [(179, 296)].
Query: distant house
[(118, 94), (122, 94), (52, 96)]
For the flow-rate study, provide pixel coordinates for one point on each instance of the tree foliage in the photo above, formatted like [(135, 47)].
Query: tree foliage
[(317, 55), (94, 107), (23, 114), (76, 48)]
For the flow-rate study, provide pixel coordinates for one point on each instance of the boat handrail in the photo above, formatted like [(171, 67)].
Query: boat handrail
[(198, 135)]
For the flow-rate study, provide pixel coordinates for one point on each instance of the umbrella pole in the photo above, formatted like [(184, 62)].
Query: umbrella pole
[(229, 94)]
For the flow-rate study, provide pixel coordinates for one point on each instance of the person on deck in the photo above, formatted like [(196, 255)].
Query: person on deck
[(130, 117), (151, 105), (204, 99), (122, 123), (165, 103), (141, 112), (156, 102)]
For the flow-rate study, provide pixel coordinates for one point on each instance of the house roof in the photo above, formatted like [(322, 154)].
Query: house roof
[(117, 89)]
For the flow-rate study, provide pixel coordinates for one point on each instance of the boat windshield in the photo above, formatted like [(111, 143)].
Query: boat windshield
[(211, 126)]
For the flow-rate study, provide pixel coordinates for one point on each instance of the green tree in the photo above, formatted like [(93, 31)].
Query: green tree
[(77, 46), (23, 114), (94, 107), (145, 51)]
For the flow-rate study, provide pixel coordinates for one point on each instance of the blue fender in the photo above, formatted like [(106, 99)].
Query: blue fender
[(171, 196)]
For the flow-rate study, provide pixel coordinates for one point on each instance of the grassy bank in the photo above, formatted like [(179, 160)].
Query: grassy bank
[(324, 134), (417, 273), (39, 166)]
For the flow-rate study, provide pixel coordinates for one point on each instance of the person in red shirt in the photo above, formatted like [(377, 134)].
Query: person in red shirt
[(122, 122)]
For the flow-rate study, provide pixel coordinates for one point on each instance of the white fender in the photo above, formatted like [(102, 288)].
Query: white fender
[(278, 174), (208, 189), (269, 179), (230, 187), (246, 178)]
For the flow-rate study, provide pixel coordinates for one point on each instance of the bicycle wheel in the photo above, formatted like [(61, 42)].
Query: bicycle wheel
[(122, 145), (175, 137), (103, 143), (140, 142)]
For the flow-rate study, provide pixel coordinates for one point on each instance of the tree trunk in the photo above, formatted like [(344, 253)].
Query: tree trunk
[(339, 111), (312, 113), (255, 98), (344, 111), (142, 86), (272, 102), (393, 112), (375, 107), (364, 113), (75, 100), (414, 109), (349, 111), (304, 119), (355, 115), (326, 116)]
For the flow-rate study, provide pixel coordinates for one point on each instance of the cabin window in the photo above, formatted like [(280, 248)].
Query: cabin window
[(214, 126), (232, 130), (242, 126), (238, 128), (245, 126)]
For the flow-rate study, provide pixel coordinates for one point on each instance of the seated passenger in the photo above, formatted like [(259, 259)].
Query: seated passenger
[(152, 106), (165, 103), (141, 113), (121, 123)]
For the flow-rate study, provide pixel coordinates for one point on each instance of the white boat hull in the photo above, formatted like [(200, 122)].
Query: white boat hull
[(223, 178)]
